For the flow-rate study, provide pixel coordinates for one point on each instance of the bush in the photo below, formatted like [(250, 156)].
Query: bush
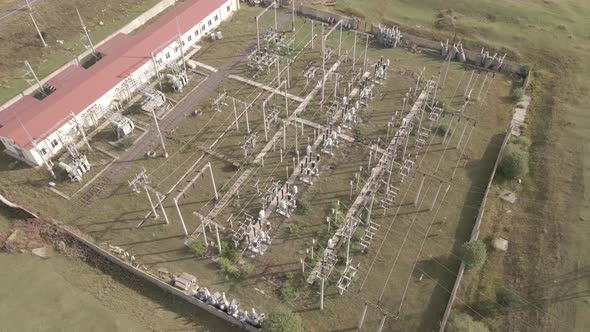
[(304, 206), (522, 141), (443, 129), (507, 297), (125, 143), (198, 248), (473, 254), (293, 228), (289, 290), (525, 70), (515, 161), (464, 323), (441, 103), (247, 270), (360, 131), (282, 320), (517, 94), (228, 268)]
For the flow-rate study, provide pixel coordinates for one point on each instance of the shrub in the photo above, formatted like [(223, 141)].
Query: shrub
[(294, 228), (289, 290), (441, 103), (125, 143), (443, 129), (522, 141), (525, 70), (246, 270), (473, 254), (464, 323), (517, 94), (507, 297), (515, 161), (228, 268), (360, 131), (197, 248), (282, 320), (304, 206)]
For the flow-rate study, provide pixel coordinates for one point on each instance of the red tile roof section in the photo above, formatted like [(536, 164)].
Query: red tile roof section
[(78, 88)]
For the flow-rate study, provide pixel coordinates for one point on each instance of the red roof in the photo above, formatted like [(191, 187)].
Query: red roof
[(77, 88)]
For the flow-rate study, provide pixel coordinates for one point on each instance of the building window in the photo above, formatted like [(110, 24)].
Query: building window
[(228, 9), (176, 49), (202, 28), (54, 143), (196, 32), (43, 151), (190, 38), (183, 43), (216, 18), (168, 55), (209, 22), (159, 61)]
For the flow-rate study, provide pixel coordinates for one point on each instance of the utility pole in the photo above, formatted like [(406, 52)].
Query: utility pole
[(37, 28), (32, 72), (160, 134), (86, 32), (180, 44)]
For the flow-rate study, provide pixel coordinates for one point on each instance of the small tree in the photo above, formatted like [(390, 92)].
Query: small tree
[(473, 254), (517, 94), (507, 297), (443, 129), (282, 320), (525, 70), (515, 161), (197, 248), (441, 103), (462, 322), (303, 206)]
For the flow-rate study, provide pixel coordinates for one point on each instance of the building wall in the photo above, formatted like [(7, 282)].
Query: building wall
[(171, 52)]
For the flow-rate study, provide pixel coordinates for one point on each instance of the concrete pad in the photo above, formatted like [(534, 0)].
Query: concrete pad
[(500, 244), (42, 252), (508, 196)]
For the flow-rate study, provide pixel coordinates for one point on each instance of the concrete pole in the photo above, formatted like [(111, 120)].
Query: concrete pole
[(236, 114), (275, 5), (218, 239), (340, 41), (366, 50), (419, 190), (38, 31), (312, 35), (180, 216), (293, 13), (281, 151), (354, 51), (204, 233), (160, 134), (351, 188), (161, 202), (213, 181), (348, 249), (147, 192), (264, 119), (435, 197), (287, 169), (370, 209), (362, 320), (468, 84), (323, 63), (247, 119), (286, 98), (322, 296), (462, 134), (257, 35), (278, 71), (382, 323), (81, 129), (302, 265), (370, 158), (284, 136)]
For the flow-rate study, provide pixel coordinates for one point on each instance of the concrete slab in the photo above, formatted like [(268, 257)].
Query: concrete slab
[(508, 196)]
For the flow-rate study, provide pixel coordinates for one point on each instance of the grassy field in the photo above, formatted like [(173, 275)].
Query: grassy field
[(114, 215), (548, 226)]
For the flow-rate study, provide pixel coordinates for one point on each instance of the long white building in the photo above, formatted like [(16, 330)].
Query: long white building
[(32, 129)]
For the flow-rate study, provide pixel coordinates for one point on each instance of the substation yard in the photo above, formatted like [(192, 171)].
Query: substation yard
[(408, 268)]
